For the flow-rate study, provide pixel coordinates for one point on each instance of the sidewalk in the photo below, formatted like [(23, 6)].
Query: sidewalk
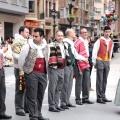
[(85, 112)]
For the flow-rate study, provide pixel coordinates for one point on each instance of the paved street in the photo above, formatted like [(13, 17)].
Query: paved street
[(85, 112)]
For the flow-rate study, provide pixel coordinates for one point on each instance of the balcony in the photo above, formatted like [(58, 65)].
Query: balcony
[(14, 6)]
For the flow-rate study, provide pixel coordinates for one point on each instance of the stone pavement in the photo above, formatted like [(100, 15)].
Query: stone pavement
[(84, 112)]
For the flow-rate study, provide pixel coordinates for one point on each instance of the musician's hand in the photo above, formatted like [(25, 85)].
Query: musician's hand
[(8, 58), (30, 37), (86, 60), (5, 49)]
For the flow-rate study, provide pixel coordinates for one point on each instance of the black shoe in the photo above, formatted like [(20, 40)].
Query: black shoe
[(42, 118), (5, 116), (87, 101), (64, 107), (100, 101), (26, 111), (53, 109), (70, 105), (60, 109), (21, 113), (106, 100), (79, 102)]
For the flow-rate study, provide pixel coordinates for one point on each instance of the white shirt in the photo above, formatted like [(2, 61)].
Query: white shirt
[(74, 51), (96, 48), (25, 50)]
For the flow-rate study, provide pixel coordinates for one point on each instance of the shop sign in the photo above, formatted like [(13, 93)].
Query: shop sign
[(31, 24)]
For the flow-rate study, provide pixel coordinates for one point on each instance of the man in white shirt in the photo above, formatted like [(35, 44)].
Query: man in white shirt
[(2, 82), (101, 57), (68, 73), (20, 40), (33, 62), (56, 64), (81, 68)]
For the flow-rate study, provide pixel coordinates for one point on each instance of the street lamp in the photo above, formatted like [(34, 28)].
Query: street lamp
[(71, 16), (54, 14)]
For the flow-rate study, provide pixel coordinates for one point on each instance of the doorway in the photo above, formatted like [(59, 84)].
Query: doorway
[(8, 30)]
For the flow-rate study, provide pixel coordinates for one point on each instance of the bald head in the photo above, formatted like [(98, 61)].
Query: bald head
[(70, 33)]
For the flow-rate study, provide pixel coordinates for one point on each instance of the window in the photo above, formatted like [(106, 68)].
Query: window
[(14, 2), (31, 6), (61, 12), (24, 3), (3, 0), (98, 0), (97, 10), (67, 12)]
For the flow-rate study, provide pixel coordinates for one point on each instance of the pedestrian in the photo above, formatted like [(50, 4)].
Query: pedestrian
[(90, 45), (32, 61), (116, 43), (56, 64), (2, 82), (20, 40), (68, 71), (102, 52), (8, 61), (81, 70)]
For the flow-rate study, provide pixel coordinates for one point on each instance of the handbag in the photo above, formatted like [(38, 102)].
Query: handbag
[(117, 95)]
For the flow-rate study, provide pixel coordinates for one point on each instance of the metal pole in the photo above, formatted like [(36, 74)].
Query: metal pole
[(54, 19), (54, 26), (70, 12), (70, 25)]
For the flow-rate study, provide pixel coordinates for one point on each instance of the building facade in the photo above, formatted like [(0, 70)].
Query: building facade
[(40, 16), (81, 9), (12, 14), (98, 12), (117, 25)]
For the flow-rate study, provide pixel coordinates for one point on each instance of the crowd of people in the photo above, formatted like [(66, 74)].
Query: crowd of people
[(37, 64)]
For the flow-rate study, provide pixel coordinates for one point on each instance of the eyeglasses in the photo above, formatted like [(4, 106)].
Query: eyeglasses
[(84, 32)]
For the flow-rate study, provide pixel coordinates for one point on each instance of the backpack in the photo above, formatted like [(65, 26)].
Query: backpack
[(71, 56)]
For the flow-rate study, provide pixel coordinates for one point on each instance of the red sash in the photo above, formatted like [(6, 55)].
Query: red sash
[(61, 67), (40, 65)]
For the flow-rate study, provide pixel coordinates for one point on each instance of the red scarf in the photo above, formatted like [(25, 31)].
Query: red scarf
[(80, 47)]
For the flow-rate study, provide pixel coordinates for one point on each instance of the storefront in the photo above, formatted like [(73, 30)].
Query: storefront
[(10, 24)]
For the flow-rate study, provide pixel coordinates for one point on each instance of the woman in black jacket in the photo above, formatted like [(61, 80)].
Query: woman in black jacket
[(90, 57)]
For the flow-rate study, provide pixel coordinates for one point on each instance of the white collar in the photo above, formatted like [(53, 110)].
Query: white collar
[(83, 40), (105, 39), (68, 40), (34, 46)]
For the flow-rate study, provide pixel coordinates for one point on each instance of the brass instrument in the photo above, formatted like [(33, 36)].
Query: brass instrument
[(16, 48)]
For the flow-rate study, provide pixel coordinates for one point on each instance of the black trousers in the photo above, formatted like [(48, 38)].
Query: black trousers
[(2, 92), (35, 88)]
